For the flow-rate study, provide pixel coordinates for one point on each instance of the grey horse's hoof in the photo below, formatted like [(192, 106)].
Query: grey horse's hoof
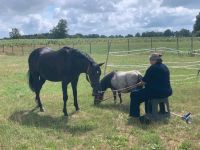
[(96, 102)]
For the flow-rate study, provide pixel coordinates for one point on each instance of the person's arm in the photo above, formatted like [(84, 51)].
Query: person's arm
[(148, 75)]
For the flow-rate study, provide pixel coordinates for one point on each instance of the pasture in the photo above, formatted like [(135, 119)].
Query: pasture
[(106, 126)]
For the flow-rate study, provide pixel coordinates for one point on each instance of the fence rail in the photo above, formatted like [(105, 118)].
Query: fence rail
[(21, 47)]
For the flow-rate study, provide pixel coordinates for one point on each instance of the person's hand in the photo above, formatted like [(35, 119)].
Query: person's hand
[(140, 84)]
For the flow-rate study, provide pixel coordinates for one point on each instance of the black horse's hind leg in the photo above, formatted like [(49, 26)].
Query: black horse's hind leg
[(65, 97), (74, 88), (39, 83), (120, 97)]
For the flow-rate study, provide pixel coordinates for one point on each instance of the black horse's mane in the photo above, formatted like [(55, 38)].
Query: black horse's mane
[(80, 53)]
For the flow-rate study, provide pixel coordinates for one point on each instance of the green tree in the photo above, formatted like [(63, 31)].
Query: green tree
[(196, 28), (60, 30), (137, 34), (14, 34), (129, 36), (168, 33), (184, 32)]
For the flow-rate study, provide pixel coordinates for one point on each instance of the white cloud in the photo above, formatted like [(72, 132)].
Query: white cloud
[(97, 16)]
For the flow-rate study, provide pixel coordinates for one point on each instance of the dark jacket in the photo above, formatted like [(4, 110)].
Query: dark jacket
[(157, 79)]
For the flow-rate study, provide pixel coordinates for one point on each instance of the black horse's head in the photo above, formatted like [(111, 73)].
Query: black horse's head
[(93, 76)]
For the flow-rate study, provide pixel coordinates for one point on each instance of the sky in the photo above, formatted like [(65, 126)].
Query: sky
[(97, 16)]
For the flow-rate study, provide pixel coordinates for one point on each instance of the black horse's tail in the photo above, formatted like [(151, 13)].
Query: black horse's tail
[(31, 72), (31, 81)]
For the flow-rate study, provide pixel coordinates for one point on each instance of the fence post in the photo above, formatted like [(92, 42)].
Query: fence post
[(12, 50), (177, 43), (3, 48), (151, 43), (108, 52), (90, 48), (192, 48), (22, 48), (128, 46)]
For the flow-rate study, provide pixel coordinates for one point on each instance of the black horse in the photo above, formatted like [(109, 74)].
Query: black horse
[(64, 65)]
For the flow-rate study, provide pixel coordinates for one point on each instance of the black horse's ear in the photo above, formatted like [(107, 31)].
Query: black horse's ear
[(100, 64)]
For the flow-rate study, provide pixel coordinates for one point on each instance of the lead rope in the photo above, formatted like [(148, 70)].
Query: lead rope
[(119, 90)]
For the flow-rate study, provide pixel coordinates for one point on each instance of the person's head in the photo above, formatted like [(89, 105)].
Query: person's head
[(155, 58)]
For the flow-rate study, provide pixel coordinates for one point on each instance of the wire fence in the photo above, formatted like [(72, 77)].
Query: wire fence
[(100, 46)]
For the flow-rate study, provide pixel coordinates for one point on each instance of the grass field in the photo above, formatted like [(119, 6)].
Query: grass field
[(106, 126)]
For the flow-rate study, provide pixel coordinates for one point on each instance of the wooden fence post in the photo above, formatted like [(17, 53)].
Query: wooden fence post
[(22, 48), (192, 48), (108, 53), (90, 48), (12, 50), (151, 43), (128, 46), (177, 43), (3, 48)]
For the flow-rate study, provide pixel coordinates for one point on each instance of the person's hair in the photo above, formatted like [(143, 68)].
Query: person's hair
[(159, 60), (156, 57)]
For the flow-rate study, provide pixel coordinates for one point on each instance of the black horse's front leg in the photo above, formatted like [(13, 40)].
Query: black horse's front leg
[(74, 88), (65, 97)]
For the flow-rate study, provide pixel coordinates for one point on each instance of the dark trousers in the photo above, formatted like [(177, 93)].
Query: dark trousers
[(139, 96)]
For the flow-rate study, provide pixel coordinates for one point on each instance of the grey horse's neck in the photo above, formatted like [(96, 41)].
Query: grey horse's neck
[(106, 81)]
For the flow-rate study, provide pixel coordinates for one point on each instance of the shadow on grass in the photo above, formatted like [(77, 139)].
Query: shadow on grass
[(111, 106), (34, 119), (132, 121)]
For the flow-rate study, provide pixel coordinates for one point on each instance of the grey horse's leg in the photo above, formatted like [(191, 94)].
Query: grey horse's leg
[(115, 96), (120, 97)]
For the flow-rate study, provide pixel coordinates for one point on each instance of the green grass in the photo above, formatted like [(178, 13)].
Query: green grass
[(106, 126)]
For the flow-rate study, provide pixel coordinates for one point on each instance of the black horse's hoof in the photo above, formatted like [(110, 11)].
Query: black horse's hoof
[(77, 109), (66, 114), (42, 109)]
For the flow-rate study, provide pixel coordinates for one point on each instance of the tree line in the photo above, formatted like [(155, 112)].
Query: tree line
[(61, 31)]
